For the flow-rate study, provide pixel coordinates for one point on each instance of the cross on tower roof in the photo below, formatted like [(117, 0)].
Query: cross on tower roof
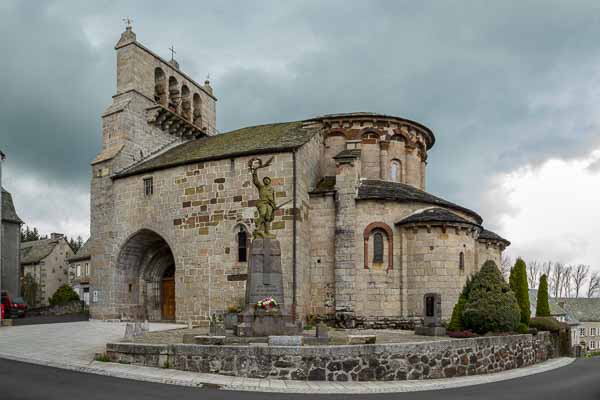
[(173, 52), (127, 21)]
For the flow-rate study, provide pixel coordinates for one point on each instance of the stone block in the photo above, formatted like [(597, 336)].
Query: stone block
[(361, 339), (285, 340), (210, 340), (430, 330)]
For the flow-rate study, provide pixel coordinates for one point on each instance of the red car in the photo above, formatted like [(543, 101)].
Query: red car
[(13, 307)]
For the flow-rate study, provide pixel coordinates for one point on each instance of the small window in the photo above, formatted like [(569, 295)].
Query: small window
[(593, 332), (242, 238), (581, 331), (378, 247), (87, 269), (395, 171), (148, 187), (461, 261), (78, 268), (592, 344)]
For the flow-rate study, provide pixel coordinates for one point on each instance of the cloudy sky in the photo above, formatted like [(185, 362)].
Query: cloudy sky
[(511, 90)]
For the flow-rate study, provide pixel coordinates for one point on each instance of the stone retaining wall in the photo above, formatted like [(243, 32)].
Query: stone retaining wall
[(401, 361)]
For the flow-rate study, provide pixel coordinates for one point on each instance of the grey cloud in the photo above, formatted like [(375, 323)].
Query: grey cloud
[(468, 70)]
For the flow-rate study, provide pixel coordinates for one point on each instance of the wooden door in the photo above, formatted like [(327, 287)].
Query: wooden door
[(168, 299)]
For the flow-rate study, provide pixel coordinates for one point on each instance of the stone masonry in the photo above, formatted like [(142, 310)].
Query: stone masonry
[(385, 362)]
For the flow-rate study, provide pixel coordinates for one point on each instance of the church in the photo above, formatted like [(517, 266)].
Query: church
[(173, 208)]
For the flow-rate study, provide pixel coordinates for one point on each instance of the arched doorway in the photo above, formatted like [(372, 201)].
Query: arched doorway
[(146, 278), (167, 298)]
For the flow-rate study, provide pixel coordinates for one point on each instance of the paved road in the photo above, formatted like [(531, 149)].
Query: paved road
[(19, 381)]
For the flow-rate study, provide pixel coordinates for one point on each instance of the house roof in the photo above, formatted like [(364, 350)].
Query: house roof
[(259, 139), (383, 190), (584, 309), (435, 214), (9, 213), (35, 251), (491, 236), (555, 308), (84, 252)]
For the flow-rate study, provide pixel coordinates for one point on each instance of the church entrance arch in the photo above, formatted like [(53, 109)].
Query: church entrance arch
[(146, 269)]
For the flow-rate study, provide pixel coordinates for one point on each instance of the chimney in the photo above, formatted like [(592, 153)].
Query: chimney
[(55, 235)]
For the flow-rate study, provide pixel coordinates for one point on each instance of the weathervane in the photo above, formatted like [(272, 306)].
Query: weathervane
[(173, 52), (127, 21)]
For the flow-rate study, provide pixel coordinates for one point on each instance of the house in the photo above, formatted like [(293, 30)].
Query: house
[(587, 311), (559, 313), (45, 263), (80, 272), (10, 239)]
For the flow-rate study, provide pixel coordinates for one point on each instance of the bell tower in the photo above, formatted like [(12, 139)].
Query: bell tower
[(156, 106)]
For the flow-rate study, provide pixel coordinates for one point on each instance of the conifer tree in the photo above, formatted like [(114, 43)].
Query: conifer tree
[(518, 284), (542, 308)]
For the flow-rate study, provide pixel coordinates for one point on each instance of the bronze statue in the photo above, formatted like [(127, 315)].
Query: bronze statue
[(266, 199)]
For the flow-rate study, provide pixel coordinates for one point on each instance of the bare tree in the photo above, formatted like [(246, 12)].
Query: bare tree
[(565, 282), (580, 274), (556, 278), (506, 264), (534, 269), (594, 284)]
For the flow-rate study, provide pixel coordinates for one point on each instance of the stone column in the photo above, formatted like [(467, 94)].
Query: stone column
[(383, 160), (347, 175)]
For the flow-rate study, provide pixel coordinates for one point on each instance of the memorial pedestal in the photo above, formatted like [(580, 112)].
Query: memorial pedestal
[(265, 279)]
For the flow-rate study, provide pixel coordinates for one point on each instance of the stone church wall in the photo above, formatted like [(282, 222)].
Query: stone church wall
[(308, 172), (488, 251), (432, 257), (196, 209), (322, 251)]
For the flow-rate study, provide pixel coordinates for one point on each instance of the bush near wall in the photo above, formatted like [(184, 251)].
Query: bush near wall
[(63, 295), (491, 306), (545, 324)]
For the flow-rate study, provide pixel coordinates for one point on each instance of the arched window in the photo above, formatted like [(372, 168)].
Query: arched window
[(381, 235), (397, 138), (378, 248), (461, 261), (186, 103), (174, 94), (160, 91), (395, 171), (242, 239), (197, 104)]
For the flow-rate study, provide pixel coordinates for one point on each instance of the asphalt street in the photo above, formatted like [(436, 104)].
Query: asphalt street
[(20, 381)]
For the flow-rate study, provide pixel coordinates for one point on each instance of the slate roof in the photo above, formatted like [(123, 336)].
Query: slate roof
[(260, 139), (489, 235), (435, 215), (383, 190), (84, 252), (326, 184), (35, 251), (555, 309), (584, 309), (9, 213), (348, 154)]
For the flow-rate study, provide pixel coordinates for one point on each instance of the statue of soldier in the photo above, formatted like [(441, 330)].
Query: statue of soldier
[(266, 200)]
